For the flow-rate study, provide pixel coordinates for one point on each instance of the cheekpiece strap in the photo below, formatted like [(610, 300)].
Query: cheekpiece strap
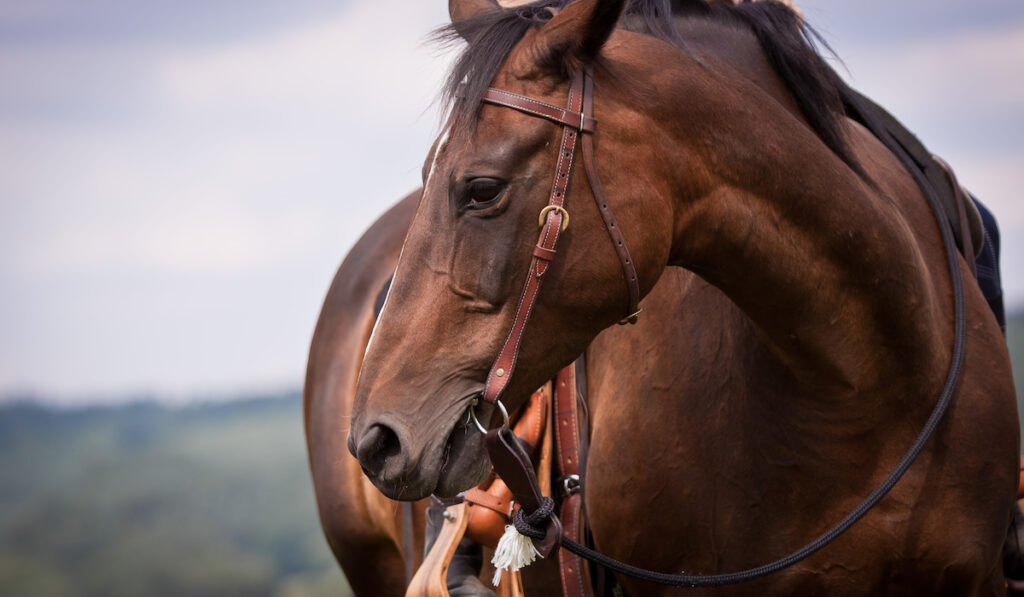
[(555, 216)]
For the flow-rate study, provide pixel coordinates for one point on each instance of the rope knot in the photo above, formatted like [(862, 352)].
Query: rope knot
[(534, 525), (515, 548)]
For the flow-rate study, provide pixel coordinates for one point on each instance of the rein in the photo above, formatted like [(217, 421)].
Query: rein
[(578, 118)]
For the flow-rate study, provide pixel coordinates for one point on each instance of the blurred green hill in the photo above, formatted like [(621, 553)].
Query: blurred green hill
[(143, 499), (146, 500)]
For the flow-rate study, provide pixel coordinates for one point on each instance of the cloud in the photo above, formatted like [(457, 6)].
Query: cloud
[(171, 212), (231, 156), (174, 202), (364, 63), (924, 76)]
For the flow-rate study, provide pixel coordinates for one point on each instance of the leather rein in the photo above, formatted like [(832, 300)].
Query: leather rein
[(506, 456)]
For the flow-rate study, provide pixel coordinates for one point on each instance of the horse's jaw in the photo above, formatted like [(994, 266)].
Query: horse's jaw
[(464, 462)]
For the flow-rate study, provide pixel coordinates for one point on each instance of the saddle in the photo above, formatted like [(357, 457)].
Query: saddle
[(483, 512), (547, 426)]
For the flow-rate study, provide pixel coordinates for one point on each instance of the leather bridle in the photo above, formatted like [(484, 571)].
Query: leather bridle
[(506, 455), (577, 120)]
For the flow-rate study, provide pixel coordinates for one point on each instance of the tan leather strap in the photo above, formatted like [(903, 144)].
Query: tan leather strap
[(430, 579), (502, 504)]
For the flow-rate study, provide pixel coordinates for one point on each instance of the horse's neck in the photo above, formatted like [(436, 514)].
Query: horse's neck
[(726, 46), (828, 267)]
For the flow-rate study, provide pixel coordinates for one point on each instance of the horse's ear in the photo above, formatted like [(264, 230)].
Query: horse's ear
[(460, 10), (575, 35)]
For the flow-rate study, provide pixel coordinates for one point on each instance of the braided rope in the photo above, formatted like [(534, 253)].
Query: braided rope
[(533, 524)]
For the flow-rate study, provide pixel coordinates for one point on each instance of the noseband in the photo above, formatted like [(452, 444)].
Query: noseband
[(577, 120)]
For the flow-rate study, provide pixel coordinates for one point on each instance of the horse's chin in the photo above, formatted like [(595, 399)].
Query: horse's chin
[(464, 462)]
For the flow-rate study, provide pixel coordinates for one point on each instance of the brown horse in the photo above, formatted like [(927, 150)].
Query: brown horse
[(376, 541), (780, 368), (363, 528)]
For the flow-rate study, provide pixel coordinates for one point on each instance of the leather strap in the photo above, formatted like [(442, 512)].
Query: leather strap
[(618, 242), (431, 579), (577, 119), (494, 498), (961, 206), (573, 568), (504, 365), (498, 503), (567, 117), (516, 470)]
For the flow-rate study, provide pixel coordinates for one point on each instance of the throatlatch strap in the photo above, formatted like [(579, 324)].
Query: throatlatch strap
[(618, 242)]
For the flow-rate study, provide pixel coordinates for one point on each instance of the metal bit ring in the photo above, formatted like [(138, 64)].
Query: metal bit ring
[(472, 415)]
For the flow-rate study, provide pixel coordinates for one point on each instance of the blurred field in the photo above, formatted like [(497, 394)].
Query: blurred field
[(147, 500)]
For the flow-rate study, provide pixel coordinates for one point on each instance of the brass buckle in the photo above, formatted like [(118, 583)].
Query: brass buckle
[(632, 318), (544, 212)]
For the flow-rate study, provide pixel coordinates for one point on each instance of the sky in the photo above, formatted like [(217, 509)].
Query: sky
[(180, 180)]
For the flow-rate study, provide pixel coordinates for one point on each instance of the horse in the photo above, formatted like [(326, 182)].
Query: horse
[(377, 541), (796, 319), (363, 528)]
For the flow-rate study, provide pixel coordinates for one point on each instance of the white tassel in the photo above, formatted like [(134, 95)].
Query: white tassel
[(514, 551)]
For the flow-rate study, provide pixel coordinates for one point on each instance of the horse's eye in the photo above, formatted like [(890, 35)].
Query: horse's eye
[(481, 192)]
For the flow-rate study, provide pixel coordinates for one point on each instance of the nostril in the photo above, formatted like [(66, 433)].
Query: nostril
[(377, 445)]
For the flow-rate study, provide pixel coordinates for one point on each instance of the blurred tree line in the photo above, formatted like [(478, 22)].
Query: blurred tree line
[(146, 500)]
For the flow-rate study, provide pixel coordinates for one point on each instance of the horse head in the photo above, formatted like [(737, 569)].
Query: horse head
[(459, 280)]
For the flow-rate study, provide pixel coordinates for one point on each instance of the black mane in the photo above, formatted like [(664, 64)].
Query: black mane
[(788, 43)]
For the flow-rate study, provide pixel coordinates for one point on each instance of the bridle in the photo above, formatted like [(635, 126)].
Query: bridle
[(577, 120), (506, 455)]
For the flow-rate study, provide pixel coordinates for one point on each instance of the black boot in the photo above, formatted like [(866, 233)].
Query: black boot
[(464, 572)]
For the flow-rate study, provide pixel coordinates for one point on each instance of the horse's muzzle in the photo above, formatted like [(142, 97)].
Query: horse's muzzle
[(378, 447)]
